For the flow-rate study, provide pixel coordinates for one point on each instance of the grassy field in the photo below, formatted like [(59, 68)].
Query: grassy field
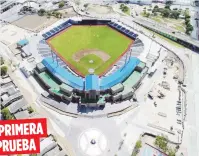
[(84, 62), (78, 38)]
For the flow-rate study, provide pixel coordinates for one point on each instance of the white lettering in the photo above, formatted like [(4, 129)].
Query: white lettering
[(32, 128), (39, 129), (18, 145), (21, 129), (5, 145), (32, 145), (1, 129), (25, 145), (18, 129), (7, 130), (26, 128)]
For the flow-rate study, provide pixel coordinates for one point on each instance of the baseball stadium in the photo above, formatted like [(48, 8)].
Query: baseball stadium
[(90, 62)]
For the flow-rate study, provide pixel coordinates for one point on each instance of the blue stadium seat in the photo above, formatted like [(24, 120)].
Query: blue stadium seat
[(56, 29), (52, 31)]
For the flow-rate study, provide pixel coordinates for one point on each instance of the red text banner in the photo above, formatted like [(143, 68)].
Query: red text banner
[(22, 136)]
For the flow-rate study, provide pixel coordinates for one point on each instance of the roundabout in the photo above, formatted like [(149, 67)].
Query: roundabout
[(92, 142)]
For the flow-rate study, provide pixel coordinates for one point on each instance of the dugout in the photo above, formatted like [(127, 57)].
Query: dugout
[(93, 22)]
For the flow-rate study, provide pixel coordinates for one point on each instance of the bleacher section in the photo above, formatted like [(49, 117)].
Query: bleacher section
[(137, 48), (57, 29), (45, 51), (123, 30)]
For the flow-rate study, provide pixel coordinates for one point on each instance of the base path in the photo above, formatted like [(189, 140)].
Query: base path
[(77, 56)]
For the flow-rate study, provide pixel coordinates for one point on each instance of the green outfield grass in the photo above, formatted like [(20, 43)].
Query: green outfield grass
[(78, 38)]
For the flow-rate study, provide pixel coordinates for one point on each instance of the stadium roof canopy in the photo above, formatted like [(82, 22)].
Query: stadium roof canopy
[(91, 82), (120, 75), (63, 74)]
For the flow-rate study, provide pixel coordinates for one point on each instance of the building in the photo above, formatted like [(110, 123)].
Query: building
[(21, 115), (92, 90), (117, 88), (22, 43), (6, 5), (47, 144), (140, 2), (16, 106)]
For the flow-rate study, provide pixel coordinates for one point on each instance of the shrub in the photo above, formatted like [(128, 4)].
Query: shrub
[(161, 142), (6, 114), (4, 70), (138, 144), (86, 5), (61, 4), (30, 110), (41, 12), (1, 60)]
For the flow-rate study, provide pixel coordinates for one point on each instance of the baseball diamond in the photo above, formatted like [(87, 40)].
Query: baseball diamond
[(74, 43)]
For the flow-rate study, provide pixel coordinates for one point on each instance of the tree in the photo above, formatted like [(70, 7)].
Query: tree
[(61, 4), (4, 70), (1, 60), (138, 144), (189, 28), (166, 13), (49, 14), (144, 12), (187, 16), (86, 5), (125, 9), (30, 110), (187, 20), (147, 15), (171, 152), (155, 14), (41, 12), (156, 7), (6, 114), (167, 7), (121, 6), (161, 142), (175, 14)]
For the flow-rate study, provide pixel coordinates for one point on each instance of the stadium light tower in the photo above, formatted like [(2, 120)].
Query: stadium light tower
[(52, 55), (57, 61)]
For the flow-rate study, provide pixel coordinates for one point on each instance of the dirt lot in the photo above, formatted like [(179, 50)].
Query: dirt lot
[(34, 22)]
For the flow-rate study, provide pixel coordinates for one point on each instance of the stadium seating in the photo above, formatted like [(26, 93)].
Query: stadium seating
[(122, 30), (56, 30)]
